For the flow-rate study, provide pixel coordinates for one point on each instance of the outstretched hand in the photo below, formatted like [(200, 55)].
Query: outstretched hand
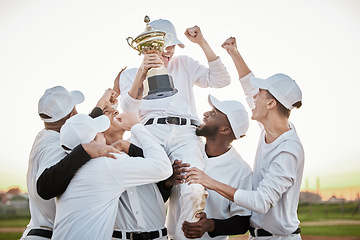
[(199, 228), (195, 175)]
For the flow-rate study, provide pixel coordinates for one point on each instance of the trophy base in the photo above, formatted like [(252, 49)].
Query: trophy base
[(159, 86)]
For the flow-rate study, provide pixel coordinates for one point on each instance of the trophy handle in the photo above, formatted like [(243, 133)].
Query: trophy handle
[(169, 37), (132, 41)]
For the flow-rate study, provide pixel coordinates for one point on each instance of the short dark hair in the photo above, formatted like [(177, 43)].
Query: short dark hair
[(282, 110), (297, 104), (44, 116)]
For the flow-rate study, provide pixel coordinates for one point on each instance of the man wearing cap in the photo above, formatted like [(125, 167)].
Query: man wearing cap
[(144, 218), (279, 161), (173, 119), (54, 108), (87, 209), (227, 121)]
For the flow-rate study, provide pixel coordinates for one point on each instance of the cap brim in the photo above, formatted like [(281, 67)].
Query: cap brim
[(214, 102), (259, 83), (102, 123), (176, 42), (77, 96)]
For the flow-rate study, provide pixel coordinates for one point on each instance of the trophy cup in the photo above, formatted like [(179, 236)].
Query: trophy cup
[(159, 84)]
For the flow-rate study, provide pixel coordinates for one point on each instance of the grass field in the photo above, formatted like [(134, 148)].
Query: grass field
[(9, 235), (316, 219), (326, 211), (340, 230)]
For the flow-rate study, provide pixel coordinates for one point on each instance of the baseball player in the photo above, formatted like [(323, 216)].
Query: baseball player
[(54, 108), (173, 120), (141, 215), (87, 209), (227, 121), (279, 161), (141, 210)]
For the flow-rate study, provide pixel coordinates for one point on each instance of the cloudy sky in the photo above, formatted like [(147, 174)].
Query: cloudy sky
[(81, 45)]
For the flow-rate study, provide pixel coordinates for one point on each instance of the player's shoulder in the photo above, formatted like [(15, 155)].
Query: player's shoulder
[(239, 163), (184, 59), (128, 73), (47, 139), (291, 143), (130, 70)]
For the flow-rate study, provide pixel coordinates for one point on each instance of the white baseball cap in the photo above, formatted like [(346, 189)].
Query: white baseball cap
[(57, 102), (282, 87), (235, 112), (81, 128), (168, 27)]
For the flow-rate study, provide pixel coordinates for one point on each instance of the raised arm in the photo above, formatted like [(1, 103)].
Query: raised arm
[(243, 70), (195, 35), (131, 83), (231, 47), (216, 75), (116, 86), (149, 61)]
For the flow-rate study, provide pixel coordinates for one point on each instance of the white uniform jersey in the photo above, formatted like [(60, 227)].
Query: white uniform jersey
[(46, 152), (186, 73), (277, 176), (228, 168), (87, 209), (141, 209), (179, 141)]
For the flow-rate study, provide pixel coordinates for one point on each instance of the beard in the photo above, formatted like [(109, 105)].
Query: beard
[(206, 131)]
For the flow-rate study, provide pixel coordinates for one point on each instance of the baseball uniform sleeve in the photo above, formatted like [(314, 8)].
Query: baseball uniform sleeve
[(231, 226), (96, 112), (54, 180), (215, 75), (153, 167), (165, 192), (244, 183), (249, 90), (135, 151), (278, 179), (128, 103)]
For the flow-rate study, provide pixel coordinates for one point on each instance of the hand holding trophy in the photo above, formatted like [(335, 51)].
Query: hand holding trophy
[(159, 83)]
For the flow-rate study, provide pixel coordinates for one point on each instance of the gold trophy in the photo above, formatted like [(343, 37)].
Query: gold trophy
[(159, 84)]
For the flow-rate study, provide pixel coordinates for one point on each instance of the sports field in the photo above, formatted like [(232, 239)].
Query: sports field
[(318, 222)]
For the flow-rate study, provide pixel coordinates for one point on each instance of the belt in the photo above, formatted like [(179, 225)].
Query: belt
[(263, 233), (40, 233), (173, 120), (140, 235)]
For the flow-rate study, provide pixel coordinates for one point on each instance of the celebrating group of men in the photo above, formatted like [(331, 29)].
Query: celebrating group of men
[(86, 182)]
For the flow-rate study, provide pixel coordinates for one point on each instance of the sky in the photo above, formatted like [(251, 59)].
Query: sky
[(81, 45)]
